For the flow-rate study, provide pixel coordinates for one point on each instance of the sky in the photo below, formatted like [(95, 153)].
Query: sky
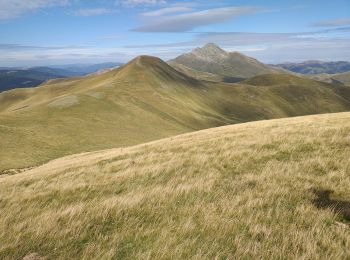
[(54, 32)]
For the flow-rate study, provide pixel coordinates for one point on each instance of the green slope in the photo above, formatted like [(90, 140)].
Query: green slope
[(144, 100), (200, 75)]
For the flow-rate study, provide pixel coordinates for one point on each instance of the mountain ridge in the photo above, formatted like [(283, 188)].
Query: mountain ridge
[(144, 100), (316, 67)]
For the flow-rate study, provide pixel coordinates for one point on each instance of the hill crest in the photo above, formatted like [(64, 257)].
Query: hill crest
[(145, 67)]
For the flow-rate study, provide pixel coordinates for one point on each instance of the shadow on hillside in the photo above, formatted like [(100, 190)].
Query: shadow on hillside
[(233, 79), (323, 201)]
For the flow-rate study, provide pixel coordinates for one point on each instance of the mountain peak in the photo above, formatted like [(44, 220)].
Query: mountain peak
[(211, 58), (212, 46), (210, 52), (210, 49)]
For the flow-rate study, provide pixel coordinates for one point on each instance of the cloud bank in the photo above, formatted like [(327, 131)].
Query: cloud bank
[(333, 23), (132, 3), (91, 11), (167, 10), (189, 21)]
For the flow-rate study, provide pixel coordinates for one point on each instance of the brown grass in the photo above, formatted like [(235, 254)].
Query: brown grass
[(242, 191)]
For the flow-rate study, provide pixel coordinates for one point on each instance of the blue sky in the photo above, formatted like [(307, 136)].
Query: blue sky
[(48, 32)]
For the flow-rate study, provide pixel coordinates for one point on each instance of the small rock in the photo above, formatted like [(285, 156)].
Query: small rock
[(33, 256)]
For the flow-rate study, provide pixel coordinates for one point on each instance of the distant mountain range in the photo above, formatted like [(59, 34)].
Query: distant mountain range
[(209, 62), (83, 69), (30, 77), (316, 67)]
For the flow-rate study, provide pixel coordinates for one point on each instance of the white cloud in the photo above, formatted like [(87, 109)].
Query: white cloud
[(112, 37), (331, 23), (131, 3), (271, 47), (13, 8), (39, 55), (91, 11), (21, 47), (168, 10), (189, 21)]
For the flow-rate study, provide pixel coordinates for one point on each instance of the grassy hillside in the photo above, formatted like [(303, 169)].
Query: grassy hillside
[(254, 190), (212, 59), (121, 107), (201, 75), (143, 101)]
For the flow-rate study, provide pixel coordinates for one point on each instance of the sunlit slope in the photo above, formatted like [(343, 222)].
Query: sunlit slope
[(142, 101), (241, 191)]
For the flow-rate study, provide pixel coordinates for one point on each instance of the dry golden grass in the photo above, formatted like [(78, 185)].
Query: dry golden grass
[(241, 191)]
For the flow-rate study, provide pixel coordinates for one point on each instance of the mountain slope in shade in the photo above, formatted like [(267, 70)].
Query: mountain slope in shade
[(247, 191), (144, 100), (31, 77), (211, 58), (201, 75)]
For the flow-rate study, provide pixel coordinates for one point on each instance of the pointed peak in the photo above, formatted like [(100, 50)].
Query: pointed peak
[(210, 51), (212, 46)]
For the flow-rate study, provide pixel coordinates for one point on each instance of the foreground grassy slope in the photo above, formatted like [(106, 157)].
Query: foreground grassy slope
[(143, 101), (248, 190)]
